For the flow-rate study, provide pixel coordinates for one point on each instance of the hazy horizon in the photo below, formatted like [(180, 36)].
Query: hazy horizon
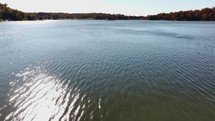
[(127, 7)]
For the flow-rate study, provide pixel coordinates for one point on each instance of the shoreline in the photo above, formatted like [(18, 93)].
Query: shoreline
[(100, 20), (7, 13)]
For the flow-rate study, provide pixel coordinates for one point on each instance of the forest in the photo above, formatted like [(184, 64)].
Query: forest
[(7, 13), (206, 14)]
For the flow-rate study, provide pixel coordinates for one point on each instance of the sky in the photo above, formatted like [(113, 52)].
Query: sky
[(127, 7)]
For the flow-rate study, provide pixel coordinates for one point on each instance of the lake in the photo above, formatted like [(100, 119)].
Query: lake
[(92, 70)]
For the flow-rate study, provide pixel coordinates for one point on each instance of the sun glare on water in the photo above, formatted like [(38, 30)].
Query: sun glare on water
[(40, 96)]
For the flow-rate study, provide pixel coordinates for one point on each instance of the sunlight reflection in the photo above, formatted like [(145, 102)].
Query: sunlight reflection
[(40, 97), (33, 22)]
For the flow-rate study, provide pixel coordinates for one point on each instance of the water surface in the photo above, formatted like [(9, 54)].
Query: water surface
[(86, 70)]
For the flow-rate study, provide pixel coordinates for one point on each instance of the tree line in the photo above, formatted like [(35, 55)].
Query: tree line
[(206, 14), (7, 13)]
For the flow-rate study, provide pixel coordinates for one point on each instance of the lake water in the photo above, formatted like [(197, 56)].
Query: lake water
[(89, 70)]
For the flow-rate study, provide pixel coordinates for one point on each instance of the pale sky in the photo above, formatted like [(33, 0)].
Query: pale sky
[(127, 7)]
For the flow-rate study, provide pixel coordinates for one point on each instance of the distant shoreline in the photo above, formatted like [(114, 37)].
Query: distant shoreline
[(96, 20), (7, 13)]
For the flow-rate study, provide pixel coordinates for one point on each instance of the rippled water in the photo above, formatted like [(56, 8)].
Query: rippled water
[(107, 71)]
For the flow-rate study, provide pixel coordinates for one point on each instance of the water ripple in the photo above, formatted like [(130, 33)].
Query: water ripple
[(40, 96)]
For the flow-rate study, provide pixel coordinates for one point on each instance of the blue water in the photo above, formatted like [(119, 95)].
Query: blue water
[(91, 70)]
